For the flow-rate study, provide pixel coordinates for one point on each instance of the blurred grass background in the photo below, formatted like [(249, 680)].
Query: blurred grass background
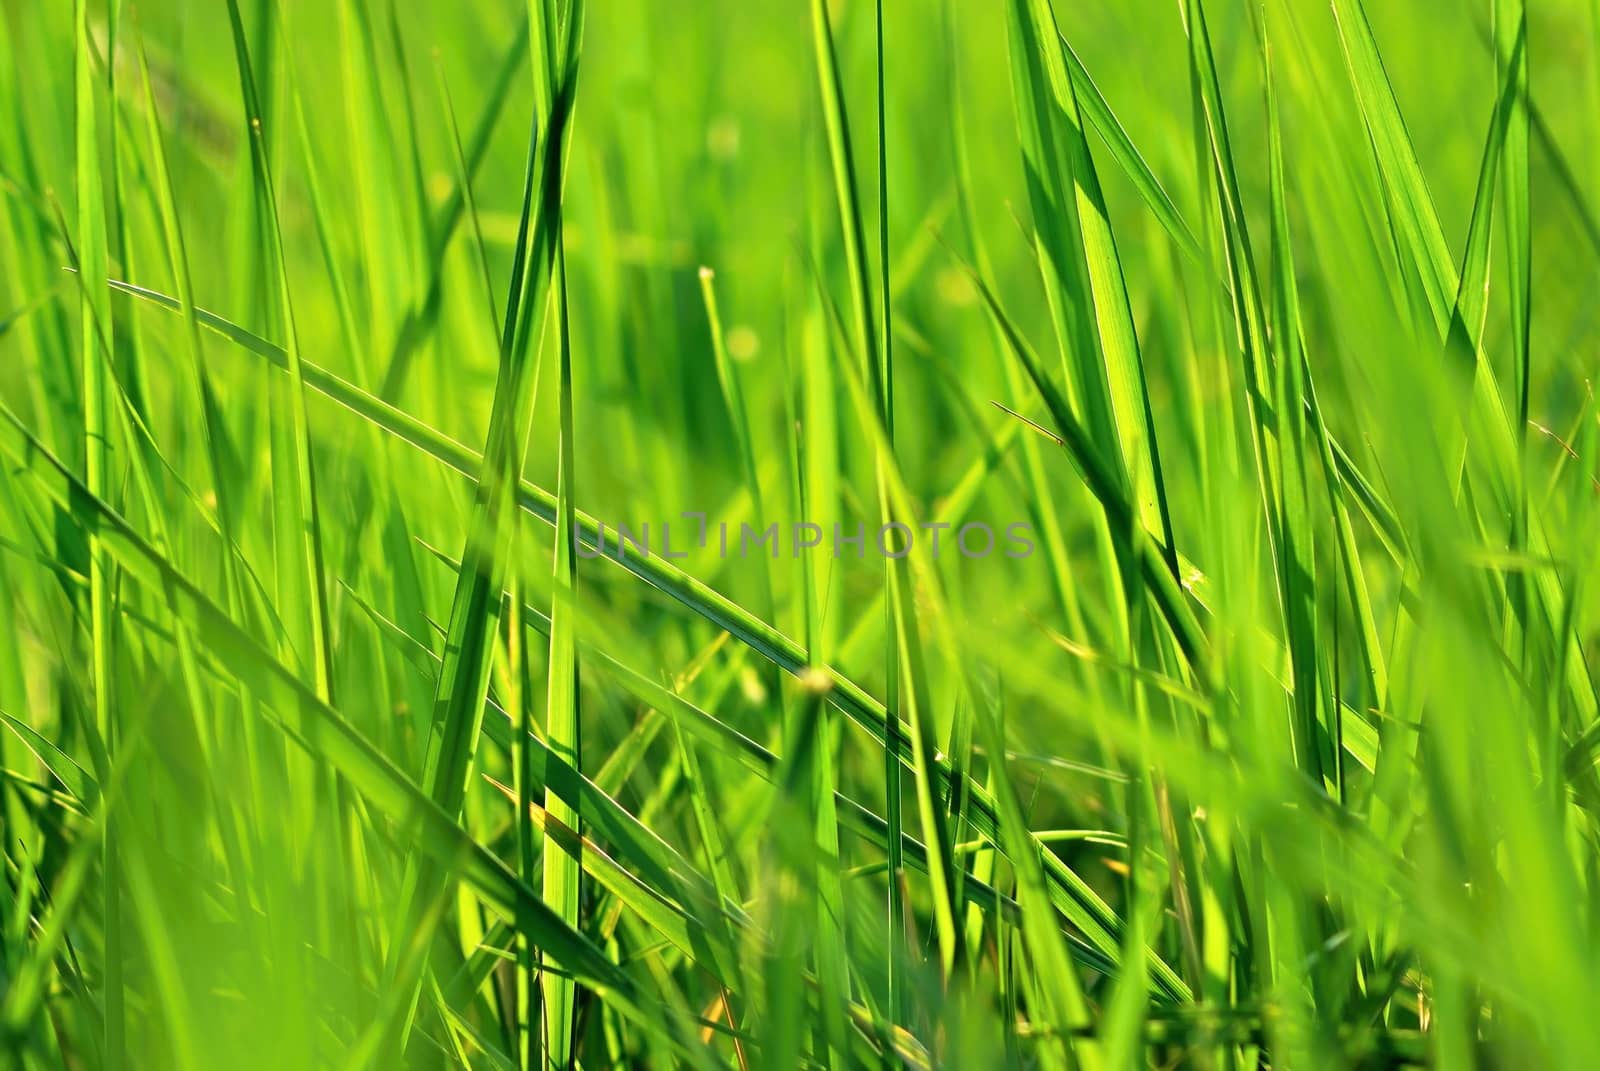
[(1285, 355)]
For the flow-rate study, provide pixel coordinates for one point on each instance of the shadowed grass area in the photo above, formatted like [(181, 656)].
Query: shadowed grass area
[(857, 533)]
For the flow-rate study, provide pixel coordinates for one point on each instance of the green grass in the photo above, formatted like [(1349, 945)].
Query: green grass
[(339, 729)]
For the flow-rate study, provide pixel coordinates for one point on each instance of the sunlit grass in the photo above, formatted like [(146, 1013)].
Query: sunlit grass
[(341, 726)]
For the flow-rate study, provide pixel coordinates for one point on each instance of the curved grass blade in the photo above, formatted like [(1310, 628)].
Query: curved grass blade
[(1067, 891), (79, 783), (1066, 185)]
